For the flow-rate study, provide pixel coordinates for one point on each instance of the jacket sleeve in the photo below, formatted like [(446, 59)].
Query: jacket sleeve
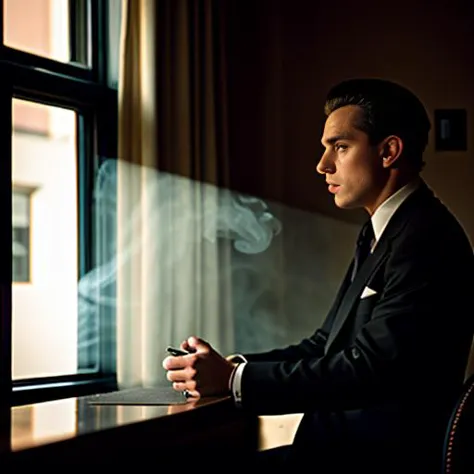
[(312, 347), (389, 352)]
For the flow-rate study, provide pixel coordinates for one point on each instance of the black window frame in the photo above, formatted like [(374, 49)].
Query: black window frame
[(85, 90)]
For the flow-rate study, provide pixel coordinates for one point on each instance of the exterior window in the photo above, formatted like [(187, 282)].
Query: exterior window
[(21, 249), (45, 244), (43, 28), (59, 69)]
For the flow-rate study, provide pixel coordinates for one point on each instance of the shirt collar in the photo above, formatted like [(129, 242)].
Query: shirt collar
[(385, 211)]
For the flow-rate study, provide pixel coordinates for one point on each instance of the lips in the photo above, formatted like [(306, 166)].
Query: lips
[(333, 188)]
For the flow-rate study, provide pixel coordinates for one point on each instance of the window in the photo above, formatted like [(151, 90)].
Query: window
[(21, 250), (59, 109), (44, 27), (45, 312), (114, 36)]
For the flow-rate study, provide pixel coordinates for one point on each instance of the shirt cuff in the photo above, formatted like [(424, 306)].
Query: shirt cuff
[(237, 382), (236, 358)]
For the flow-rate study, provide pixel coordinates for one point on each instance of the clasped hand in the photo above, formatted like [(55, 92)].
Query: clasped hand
[(203, 372)]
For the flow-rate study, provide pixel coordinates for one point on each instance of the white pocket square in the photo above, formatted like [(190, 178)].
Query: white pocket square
[(367, 292)]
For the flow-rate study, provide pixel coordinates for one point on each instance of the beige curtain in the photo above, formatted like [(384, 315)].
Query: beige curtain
[(173, 272)]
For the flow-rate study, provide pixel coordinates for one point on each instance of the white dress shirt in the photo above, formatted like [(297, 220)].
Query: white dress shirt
[(380, 219)]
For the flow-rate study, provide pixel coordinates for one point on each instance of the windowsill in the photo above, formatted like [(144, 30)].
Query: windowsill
[(27, 393), (72, 431)]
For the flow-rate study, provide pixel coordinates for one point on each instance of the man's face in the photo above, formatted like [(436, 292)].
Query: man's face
[(352, 166)]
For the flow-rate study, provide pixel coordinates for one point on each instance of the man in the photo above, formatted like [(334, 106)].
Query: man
[(378, 380)]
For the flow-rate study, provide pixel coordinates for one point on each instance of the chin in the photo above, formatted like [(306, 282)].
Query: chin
[(342, 203)]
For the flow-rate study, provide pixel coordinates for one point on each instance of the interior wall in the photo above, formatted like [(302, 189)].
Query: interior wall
[(284, 55)]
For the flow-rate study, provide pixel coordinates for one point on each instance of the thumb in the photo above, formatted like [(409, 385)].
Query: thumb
[(198, 344)]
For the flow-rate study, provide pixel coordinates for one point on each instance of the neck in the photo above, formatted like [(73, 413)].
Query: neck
[(395, 181)]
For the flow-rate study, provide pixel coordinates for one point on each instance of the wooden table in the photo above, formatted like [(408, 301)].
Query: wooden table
[(72, 432)]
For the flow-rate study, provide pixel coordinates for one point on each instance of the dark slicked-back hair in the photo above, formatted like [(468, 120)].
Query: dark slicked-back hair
[(387, 109)]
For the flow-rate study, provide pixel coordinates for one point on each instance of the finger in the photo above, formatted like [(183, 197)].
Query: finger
[(185, 346), (178, 376), (175, 362), (197, 344), (190, 386), (181, 375), (166, 362), (193, 395), (179, 386)]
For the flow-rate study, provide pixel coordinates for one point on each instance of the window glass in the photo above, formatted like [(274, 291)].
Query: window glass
[(21, 251), (114, 40), (43, 28), (45, 311)]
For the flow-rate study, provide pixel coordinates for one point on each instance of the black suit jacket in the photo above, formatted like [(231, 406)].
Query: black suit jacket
[(382, 373)]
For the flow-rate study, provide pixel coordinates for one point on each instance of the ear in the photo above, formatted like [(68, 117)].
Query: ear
[(390, 150)]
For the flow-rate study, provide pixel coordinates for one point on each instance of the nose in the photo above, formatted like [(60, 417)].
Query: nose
[(325, 165)]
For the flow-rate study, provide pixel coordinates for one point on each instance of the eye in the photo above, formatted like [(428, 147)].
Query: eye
[(340, 147)]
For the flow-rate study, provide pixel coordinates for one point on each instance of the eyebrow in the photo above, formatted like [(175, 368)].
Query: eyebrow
[(335, 138)]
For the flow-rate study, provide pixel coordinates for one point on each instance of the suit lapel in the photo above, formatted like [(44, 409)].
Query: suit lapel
[(354, 290), (329, 322)]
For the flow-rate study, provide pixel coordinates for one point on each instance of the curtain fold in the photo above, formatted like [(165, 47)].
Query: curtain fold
[(173, 271)]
